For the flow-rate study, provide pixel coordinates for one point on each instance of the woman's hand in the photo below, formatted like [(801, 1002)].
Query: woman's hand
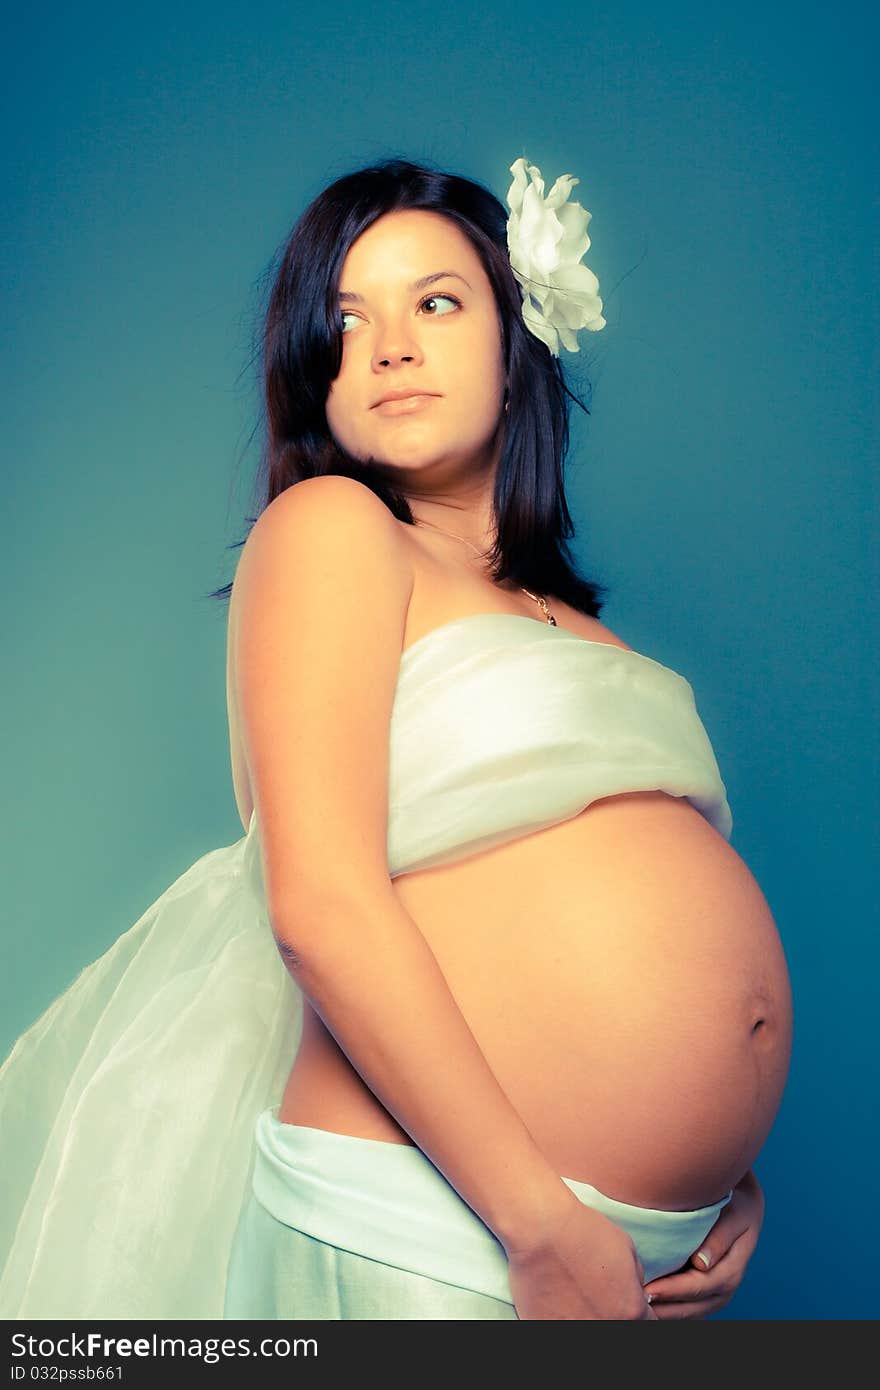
[(699, 1291), (583, 1267)]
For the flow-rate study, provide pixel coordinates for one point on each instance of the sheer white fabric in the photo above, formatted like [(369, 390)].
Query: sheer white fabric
[(128, 1109)]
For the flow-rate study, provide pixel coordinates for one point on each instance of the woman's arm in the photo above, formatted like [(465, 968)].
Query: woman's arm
[(320, 601), (374, 980)]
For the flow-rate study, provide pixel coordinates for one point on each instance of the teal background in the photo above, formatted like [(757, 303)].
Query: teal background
[(724, 486)]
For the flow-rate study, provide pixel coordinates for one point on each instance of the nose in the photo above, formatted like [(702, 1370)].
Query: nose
[(394, 345)]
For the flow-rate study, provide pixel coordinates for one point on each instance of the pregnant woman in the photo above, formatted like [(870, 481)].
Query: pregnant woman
[(484, 1017)]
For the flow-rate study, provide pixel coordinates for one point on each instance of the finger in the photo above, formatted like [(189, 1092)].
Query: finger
[(720, 1240), (727, 1262), (697, 1283), (689, 1287), (677, 1312)]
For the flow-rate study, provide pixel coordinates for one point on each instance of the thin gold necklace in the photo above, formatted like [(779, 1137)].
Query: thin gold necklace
[(542, 602)]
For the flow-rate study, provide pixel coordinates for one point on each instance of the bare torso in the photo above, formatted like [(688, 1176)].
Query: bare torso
[(621, 972)]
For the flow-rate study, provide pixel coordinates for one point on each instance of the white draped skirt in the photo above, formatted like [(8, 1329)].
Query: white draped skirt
[(145, 1174)]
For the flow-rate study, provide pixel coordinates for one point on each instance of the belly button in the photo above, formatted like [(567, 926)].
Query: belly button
[(763, 1013)]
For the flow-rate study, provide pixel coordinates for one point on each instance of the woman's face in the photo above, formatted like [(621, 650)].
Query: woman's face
[(442, 338)]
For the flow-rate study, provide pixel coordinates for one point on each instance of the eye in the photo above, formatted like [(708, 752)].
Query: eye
[(429, 299), (432, 299)]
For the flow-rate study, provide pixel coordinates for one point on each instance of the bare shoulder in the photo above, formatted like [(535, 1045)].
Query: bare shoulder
[(328, 503), (331, 518), (330, 490)]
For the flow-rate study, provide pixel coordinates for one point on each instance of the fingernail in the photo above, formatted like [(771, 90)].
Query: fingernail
[(649, 1297), (705, 1257)]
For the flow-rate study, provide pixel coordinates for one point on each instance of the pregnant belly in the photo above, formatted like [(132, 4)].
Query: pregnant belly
[(625, 980)]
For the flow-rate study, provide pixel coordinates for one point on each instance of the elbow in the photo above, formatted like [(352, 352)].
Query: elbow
[(289, 953), (292, 933), (323, 924)]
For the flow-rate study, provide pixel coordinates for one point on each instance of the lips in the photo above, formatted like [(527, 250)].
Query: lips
[(405, 405), (402, 396)]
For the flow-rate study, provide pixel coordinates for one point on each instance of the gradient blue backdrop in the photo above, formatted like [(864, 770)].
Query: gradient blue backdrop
[(724, 486)]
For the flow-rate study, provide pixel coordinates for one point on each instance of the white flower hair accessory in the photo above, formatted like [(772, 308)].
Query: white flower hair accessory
[(546, 238)]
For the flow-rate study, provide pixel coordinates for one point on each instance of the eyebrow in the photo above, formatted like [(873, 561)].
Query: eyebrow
[(349, 297)]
